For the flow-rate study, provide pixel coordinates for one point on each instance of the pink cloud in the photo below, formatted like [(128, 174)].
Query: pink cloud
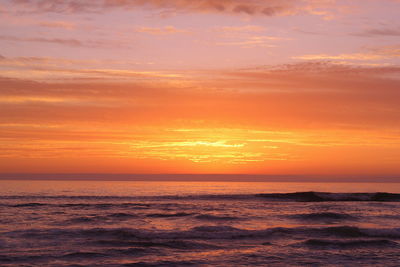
[(64, 41), (248, 7), (57, 24)]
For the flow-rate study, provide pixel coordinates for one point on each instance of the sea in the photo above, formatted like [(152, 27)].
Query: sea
[(131, 223)]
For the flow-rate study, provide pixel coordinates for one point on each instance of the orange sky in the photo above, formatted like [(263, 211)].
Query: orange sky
[(228, 86)]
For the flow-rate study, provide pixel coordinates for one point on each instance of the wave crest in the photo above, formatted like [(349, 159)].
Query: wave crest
[(340, 244), (323, 196)]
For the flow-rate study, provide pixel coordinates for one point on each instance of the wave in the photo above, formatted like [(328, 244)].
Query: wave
[(175, 244), (310, 196), (96, 219), (122, 216), (352, 231), (78, 220), (166, 263), (167, 215), (84, 255), (340, 244), (208, 232), (209, 217), (323, 196), (137, 206), (321, 216), (28, 205), (129, 198), (11, 259), (104, 205)]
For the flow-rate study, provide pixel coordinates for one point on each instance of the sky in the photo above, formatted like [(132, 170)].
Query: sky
[(288, 87)]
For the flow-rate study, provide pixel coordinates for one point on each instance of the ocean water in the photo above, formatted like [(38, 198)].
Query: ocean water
[(97, 223)]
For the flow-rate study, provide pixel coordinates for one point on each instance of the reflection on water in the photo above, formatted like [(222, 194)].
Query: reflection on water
[(137, 188)]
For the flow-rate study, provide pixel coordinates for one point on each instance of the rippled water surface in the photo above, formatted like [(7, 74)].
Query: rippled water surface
[(64, 223)]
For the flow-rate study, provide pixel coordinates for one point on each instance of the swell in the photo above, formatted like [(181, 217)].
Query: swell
[(123, 216), (167, 263), (207, 232), (96, 219), (210, 217), (297, 197), (322, 216), (323, 196), (28, 205), (168, 215), (340, 244), (174, 244), (81, 205)]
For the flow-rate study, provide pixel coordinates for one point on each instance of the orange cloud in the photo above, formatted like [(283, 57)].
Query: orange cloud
[(161, 31), (240, 29), (292, 94), (304, 117), (355, 56), (376, 53), (58, 24), (252, 41)]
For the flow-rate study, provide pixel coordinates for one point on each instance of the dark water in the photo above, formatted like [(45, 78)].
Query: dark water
[(63, 226)]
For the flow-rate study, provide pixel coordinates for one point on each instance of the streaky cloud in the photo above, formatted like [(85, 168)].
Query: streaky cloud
[(379, 32), (247, 7), (64, 41)]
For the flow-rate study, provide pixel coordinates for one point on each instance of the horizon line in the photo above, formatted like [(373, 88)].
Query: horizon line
[(211, 177)]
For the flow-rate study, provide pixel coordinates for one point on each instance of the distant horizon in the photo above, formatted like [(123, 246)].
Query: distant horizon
[(201, 177)]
